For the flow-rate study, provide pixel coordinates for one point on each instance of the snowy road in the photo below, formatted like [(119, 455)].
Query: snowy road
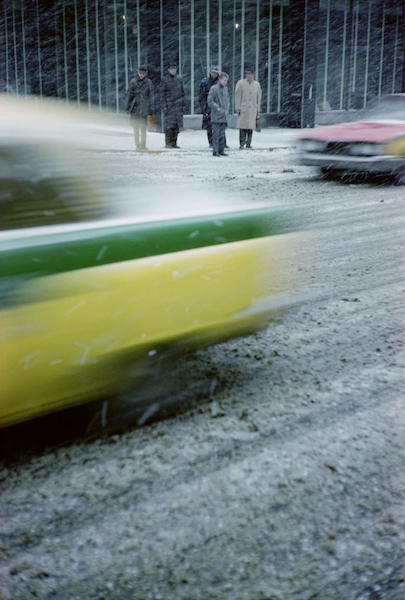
[(280, 474)]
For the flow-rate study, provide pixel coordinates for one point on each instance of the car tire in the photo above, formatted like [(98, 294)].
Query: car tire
[(331, 174)]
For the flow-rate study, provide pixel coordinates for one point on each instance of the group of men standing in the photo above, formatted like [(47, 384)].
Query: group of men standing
[(214, 105)]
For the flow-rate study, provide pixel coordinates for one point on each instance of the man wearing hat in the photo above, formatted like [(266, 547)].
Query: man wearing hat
[(140, 105), (173, 103), (248, 95), (205, 86)]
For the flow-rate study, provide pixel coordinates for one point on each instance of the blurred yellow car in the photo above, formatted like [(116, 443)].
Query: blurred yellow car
[(88, 302)]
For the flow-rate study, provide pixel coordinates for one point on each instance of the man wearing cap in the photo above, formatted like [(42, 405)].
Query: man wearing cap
[(140, 105), (173, 103), (218, 101), (248, 95)]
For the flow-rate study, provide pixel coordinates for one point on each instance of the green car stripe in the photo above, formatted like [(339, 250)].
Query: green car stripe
[(57, 253)]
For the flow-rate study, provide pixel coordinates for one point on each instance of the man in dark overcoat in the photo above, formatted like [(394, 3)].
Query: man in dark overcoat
[(173, 103), (140, 105), (205, 86)]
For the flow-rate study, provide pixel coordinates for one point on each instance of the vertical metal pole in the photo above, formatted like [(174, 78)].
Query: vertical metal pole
[(77, 56), (180, 57), (65, 62), (138, 35), (125, 45), (207, 33), (269, 58), (342, 79), (6, 43), (107, 58), (15, 50), (233, 53), (98, 56), (23, 48), (86, 11), (367, 55), (56, 17), (161, 38), (161, 54), (381, 52), (257, 37), (192, 58), (280, 56), (242, 42), (349, 93), (220, 34), (304, 65), (117, 91), (325, 78), (394, 67), (356, 35), (39, 53)]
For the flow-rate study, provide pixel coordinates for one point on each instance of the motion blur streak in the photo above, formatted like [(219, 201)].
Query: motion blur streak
[(96, 284)]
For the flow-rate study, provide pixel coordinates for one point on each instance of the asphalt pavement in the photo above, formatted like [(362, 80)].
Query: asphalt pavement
[(264, 468)]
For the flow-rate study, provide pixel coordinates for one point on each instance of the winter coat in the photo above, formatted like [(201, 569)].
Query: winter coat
[(218, 101), (140, 92), (205, 86), (247, 103), (173, 101)]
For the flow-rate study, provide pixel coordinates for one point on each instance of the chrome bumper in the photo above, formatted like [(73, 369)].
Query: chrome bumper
[(353, 164)]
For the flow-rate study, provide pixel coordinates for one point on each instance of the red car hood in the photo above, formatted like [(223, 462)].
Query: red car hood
[(360, 131)]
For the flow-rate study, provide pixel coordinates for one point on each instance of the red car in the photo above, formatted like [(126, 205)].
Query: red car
[(374, 145)]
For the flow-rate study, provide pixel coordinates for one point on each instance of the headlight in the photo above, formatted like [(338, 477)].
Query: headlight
[(366, 149), (396, 147), (313, 145)]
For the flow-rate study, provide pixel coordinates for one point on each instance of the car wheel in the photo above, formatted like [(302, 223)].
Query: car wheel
[(332, 174)]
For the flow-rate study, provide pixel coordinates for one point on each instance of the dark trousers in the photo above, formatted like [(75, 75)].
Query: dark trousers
[(218, 137), (139, 125), (171, 136), (209, 136), (245, 137)]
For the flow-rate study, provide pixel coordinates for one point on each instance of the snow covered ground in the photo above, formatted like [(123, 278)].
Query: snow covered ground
[(119, 137), (276, 469)]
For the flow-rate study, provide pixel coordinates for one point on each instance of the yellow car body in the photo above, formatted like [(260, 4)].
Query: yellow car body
[(89, 304), (82, 333)]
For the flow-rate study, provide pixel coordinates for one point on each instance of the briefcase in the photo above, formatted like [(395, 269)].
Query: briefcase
[(151, 123)]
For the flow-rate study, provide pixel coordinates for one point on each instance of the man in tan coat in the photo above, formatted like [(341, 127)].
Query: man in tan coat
[(248, 95)]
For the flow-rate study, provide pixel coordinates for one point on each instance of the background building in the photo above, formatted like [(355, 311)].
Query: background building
[(310, 56)]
